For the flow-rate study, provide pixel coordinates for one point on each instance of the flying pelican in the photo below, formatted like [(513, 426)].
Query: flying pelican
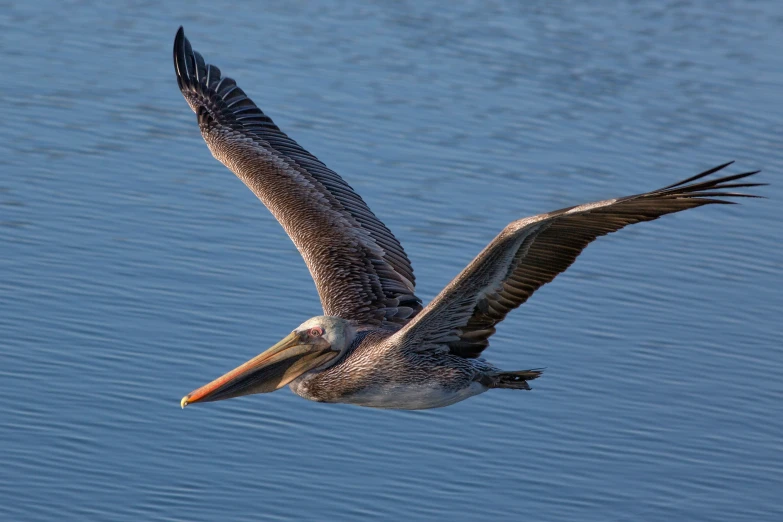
[(376, 345)]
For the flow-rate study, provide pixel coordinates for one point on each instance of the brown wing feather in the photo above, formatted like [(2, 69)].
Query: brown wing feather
[(360, 269), (531, 252)]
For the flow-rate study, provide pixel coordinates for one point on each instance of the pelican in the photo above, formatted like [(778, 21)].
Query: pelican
[(376, 345)]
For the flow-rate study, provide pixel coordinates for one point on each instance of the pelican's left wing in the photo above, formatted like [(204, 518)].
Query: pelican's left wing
[(531, 252), (360, 269)]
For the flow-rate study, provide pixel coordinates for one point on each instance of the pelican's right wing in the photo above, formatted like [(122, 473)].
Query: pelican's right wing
[(360, 269), (531, 252)]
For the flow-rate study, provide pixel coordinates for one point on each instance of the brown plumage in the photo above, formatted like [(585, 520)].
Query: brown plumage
[(531, 252), (360, 269), (376, 346)]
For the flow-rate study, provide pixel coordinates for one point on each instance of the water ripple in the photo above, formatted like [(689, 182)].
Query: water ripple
[(134, 267)]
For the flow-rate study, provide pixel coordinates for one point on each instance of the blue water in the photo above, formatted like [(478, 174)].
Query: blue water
[(134, 267)]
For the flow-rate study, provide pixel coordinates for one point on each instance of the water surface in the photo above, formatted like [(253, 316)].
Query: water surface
[(134, 267)]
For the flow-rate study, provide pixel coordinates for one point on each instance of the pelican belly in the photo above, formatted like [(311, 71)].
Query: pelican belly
[(399, 396)]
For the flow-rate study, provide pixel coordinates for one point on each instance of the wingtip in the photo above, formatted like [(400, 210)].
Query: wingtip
[(713, 170), (180, 58), (700, 175), (179, 37)]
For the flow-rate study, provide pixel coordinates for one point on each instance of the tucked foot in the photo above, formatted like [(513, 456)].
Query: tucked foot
[(514, 380)]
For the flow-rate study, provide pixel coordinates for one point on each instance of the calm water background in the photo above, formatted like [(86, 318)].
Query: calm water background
[(134, 267)]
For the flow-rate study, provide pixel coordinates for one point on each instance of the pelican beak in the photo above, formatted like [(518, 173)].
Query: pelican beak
[(267, 372)]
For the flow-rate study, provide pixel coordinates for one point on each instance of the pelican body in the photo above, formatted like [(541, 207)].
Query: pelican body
[(376, 345)]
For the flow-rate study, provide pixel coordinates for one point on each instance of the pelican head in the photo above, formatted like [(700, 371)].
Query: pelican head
[(316, 344)]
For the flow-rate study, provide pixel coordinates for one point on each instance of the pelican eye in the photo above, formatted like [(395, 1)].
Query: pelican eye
[(316, 331)]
